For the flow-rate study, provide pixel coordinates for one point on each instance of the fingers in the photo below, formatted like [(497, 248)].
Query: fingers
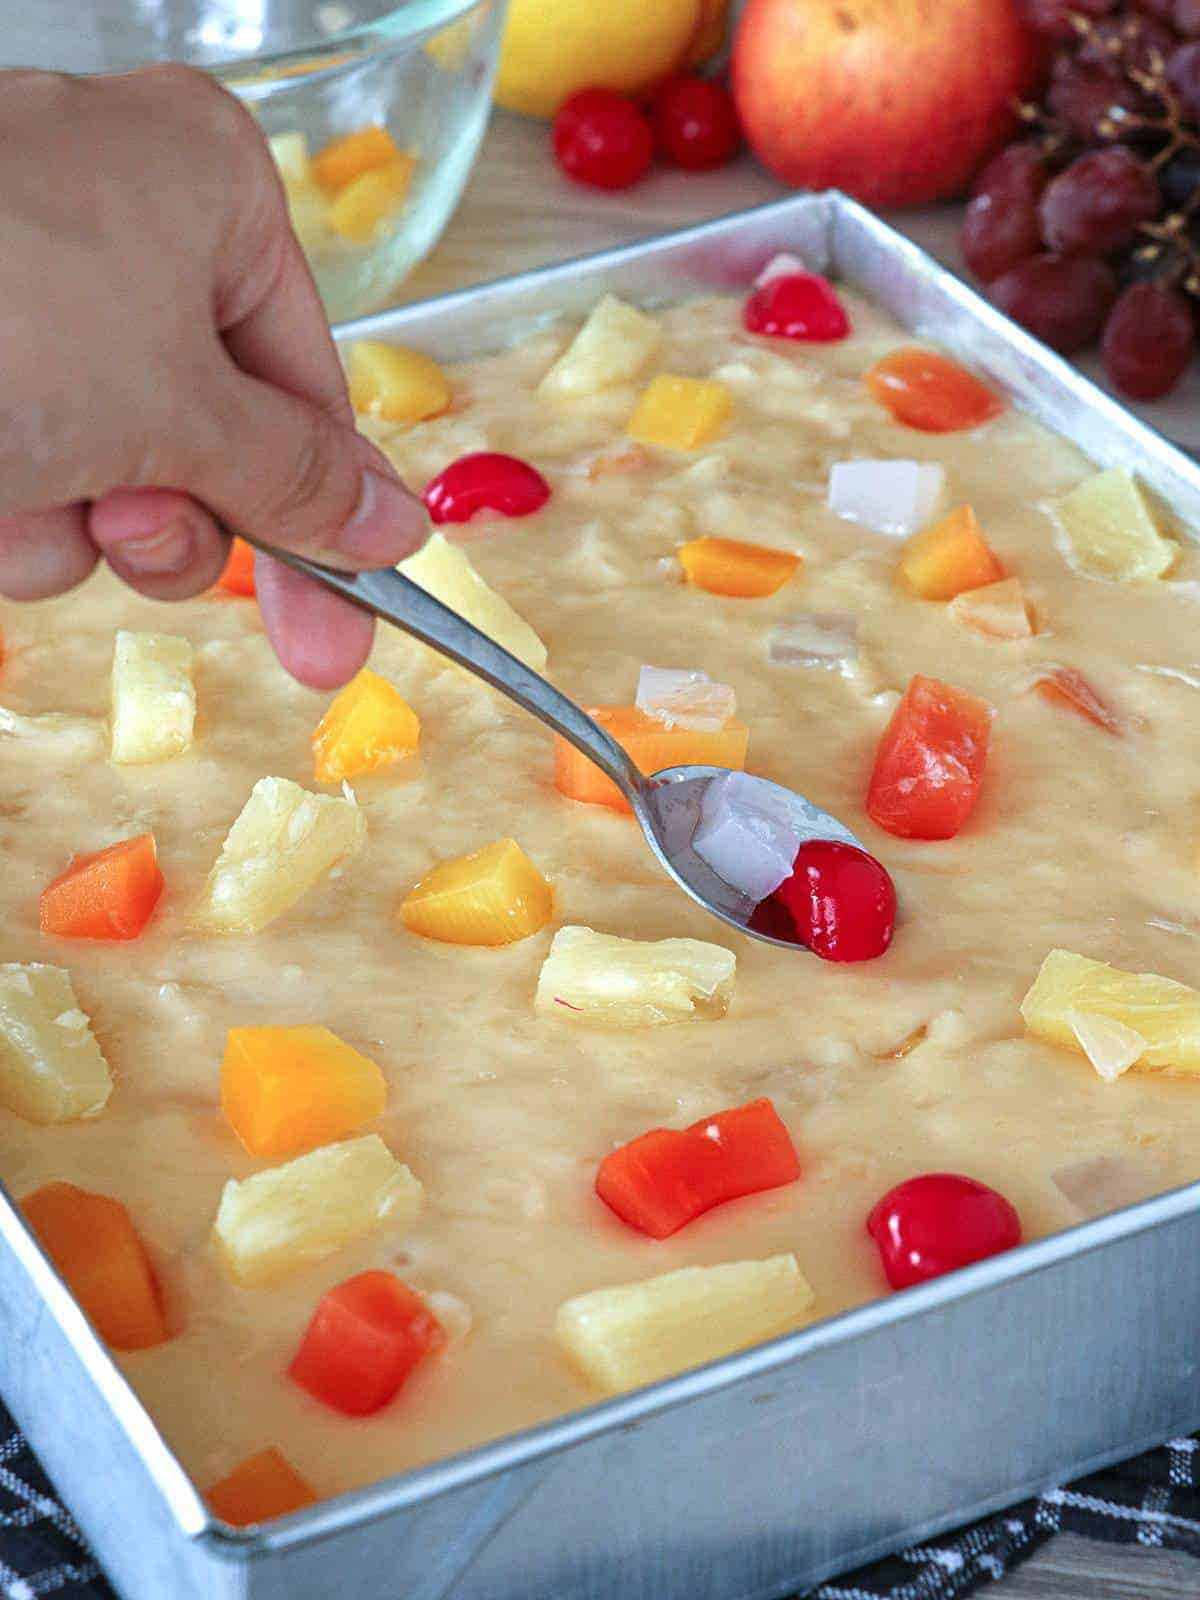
[(294, 476), (160, 541), (284, 339), (44, 552), (320, 639)]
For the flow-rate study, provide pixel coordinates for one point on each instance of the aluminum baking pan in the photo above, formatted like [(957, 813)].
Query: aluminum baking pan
[(773, 1469)]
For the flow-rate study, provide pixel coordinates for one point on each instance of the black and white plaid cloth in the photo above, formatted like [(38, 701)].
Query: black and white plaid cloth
[(1152, 1501)]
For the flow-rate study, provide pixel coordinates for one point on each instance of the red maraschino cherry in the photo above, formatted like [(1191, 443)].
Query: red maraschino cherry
[(796, 305), (937, 1223), (841, 900), (485, 481)]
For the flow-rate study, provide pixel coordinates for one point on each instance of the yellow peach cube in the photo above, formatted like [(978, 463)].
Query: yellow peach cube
[(680, 413), (347, 158), (494, 896), (950, 558), (396, 383), (286, 1090), (368, 725), (370, 200)]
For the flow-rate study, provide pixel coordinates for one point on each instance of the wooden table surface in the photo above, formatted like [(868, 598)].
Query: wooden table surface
[(519, 212)]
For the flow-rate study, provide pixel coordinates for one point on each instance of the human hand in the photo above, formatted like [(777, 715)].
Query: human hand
[(165, 363)]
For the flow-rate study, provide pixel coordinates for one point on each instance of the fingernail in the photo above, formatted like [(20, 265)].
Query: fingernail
[(159, 555), (388, 523)]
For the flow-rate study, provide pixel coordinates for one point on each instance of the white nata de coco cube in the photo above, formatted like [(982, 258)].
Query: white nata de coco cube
[(824, 639), (894, 497), (784, 265), (682, 699), (747, 834)]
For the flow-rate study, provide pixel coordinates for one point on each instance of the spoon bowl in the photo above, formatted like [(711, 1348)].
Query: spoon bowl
[(667, 804)]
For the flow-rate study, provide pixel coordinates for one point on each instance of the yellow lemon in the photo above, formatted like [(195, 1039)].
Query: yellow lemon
[(554, 47)]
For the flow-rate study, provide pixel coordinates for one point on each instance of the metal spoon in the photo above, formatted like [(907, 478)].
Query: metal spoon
[(667, 804)]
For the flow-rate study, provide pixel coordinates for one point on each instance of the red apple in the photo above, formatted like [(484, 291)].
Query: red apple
[(898, 102)]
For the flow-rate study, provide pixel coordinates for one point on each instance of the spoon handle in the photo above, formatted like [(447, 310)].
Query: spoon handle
[(395, 598)]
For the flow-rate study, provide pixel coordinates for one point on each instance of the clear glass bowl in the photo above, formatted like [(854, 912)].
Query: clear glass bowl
[(313, 72)]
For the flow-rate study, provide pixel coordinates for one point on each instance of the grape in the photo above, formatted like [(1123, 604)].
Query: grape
[(1001, 225), (1180, 178), (1186, 17), (1132, 41), (1183, 74), (1161, 9), (1091, 101), (1052, 18), (1099, 202), (1148, 340), (1063, 300)]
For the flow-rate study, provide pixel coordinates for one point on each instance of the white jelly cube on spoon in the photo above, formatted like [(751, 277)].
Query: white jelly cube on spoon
[(746, 834), (895, 497), (682, 699)]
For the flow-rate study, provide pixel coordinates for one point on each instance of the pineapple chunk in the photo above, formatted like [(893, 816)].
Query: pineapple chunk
[(51, 1068), (367, 726), (1110, 1046), (283, 841), (637, 1333), (680, 413), (999, 610), (493, 896), (308, 212), (1110, 531), (613, 346), (634, 982), (443, 570), (396, 383), (290, 151), (153, 697), (281, 1220), (1164, 1013)]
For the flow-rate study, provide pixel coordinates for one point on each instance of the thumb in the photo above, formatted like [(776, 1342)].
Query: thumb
[(291, 474)]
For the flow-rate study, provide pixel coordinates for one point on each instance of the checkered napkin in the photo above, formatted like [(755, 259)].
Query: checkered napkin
[(1154, 1501)]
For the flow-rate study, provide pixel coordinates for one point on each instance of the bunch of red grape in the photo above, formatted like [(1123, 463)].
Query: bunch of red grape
[(1089, 226)]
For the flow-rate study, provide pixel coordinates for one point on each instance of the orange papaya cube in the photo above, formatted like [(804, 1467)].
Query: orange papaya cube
[(107, 895), (680, 413), (1064, 686), (92, 1241), (287, 1090), (366, 1337), (999, 610), (949, 557), (238, 576), (651, 745), (261, 1487), (732, 567), (928, 391), (347, 158), (493, 896), (368, 725), (368, 201)]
